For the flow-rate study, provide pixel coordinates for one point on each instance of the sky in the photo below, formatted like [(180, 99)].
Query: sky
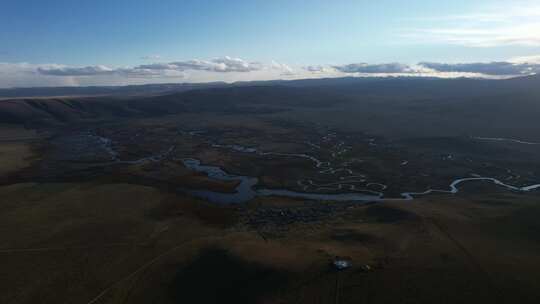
[(116, 42)]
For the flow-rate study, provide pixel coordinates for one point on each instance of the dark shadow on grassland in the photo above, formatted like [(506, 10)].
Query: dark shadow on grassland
[(386, 214), (521, 223), (210, 214), (218, 276), (351, 236)]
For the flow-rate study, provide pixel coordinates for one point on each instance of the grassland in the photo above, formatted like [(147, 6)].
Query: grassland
[(16, 150), (95, 203), (121, 243)]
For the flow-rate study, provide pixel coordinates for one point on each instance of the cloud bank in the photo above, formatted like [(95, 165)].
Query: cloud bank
[(219, 65), (76, 71), (385, 68), (235, 69), (492, 68)]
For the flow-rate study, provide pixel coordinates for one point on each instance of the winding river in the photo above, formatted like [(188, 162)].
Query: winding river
[(348, 180), (246, 190), (511, 140), (247, 186)]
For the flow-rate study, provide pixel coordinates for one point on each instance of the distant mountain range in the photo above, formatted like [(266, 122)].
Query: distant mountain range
[(362, 83), (129, 90), (408, 106)]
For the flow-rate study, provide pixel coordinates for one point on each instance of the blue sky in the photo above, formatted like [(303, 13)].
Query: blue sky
[(286, 39)]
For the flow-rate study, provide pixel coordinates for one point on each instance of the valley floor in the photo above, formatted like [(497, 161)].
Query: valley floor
[(122, 243), (107, 212)]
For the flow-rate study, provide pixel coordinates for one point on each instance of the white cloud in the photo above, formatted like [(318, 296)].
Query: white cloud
[(384, 68), (515, 24), (76, 71), (318, 69), (25, 75), (285, 69), (158, 66), (218, 69), (491, 68), (228, 64), (506, 35), (39, 75), (224, 64), (532, 59), (220, 65)]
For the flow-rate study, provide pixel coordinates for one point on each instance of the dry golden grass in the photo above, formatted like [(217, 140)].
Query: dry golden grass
[(16, 133), (14, 156), (15, 150), (122, 243), (65, 243)]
